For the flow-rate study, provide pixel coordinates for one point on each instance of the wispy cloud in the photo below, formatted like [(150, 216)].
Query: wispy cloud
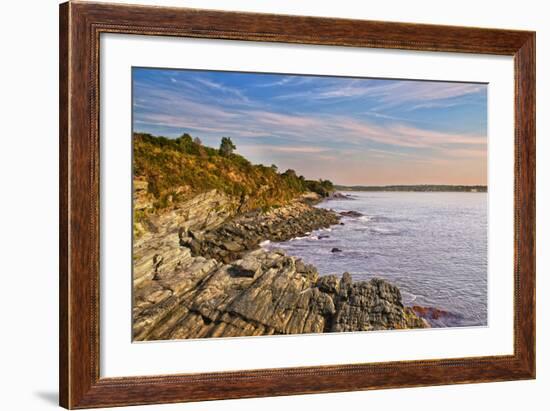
[(375, 114), (223, 88), (307, 122), (391, 94), (315, 129), (288, 149), (287, 81)]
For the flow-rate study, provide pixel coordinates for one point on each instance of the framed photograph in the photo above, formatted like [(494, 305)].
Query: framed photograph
[(259, 205)]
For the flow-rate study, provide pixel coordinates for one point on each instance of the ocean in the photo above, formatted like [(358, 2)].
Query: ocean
[(432, 245)]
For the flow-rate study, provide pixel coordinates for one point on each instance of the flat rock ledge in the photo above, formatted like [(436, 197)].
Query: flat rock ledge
[(209, 278)]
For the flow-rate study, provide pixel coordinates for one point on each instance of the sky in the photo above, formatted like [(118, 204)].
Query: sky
[(352, 131)]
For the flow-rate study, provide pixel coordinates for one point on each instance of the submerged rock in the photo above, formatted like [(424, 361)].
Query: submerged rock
[(436, 317), (351, 213), (340, 196)]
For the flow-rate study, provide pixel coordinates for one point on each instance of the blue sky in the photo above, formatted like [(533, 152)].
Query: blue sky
[(348, 130)]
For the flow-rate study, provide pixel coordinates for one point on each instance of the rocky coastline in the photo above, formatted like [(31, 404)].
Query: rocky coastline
[(199, 271), (236, 237)]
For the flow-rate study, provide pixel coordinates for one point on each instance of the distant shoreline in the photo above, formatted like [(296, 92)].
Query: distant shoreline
[(417, 188)]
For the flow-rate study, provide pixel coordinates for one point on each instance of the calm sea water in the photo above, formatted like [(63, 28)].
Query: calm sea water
[(433, 246)]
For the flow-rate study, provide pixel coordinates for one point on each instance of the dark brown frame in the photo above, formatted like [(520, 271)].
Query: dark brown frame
[(80, 27)]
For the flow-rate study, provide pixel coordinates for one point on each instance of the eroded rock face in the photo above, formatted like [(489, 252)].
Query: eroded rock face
[(203, 212), (201, 274)]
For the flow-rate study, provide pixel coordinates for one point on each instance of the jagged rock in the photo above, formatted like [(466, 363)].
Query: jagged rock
[(329, 284), (262, 294), (373, 305), (247, 267), (247, 231), (307, 270), (195, 235), (345, 283), (232, 246), (203, 274), (194, 246)]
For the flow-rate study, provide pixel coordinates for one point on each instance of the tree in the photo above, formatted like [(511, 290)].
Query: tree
[(197, 141), (185, 138), (227, 147), (274, 167), (290, 173)]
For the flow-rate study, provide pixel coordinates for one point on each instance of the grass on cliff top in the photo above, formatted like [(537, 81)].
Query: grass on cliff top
[(178, 169)]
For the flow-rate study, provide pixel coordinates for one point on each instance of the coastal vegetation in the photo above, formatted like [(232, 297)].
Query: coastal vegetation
[(201, 215), (178, 169)]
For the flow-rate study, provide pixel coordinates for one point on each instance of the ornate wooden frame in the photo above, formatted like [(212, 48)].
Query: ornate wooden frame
[(80, 27)]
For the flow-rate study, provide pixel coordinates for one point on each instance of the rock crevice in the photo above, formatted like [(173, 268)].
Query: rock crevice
[(207, 277)]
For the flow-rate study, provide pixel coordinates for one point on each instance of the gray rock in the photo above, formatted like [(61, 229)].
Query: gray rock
[(232, 246), (196, 235), (194, 246), (247, 267), (329, 284), (202, 274), (346, 279), (351, 213)]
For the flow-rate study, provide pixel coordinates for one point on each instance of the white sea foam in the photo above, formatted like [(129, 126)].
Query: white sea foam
[(299, 238)]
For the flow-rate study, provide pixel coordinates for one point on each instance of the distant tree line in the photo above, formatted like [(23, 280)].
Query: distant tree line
[(417, 188)]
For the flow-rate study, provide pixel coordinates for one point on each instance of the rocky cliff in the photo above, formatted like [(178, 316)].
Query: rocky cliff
[(199, 272)]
